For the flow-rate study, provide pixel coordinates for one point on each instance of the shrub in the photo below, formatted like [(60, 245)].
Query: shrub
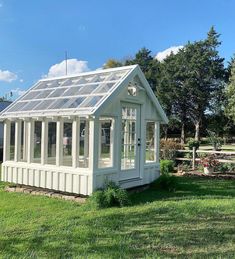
[(193, 143), (167, 182), (169, 149), (166, 166), (215, 141), (110, 196)]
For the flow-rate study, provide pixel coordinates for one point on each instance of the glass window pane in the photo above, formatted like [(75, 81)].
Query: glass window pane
[(37, 141), (150, 154), (67, 144), (12, 141), (23, 145), (84, 144), (51, 143), (106, 143)]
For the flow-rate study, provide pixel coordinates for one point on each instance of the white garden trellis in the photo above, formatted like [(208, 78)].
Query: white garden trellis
[(73, 133)]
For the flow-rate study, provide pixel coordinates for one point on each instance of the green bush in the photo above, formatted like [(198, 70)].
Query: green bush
[(110, 196), (193, 143), (167, 182), (166, 166)]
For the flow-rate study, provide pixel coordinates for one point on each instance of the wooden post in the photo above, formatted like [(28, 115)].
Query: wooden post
[(75, 141), (17, 140), (6, 141), (194, 157)]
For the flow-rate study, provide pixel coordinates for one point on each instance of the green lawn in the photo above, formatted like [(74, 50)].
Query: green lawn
[(197, 221)]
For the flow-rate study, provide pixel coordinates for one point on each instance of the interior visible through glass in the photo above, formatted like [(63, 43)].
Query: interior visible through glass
[(67, 144), (106, 143), (150, 154), (51, 143), (83, 160), (37, 141), (12, 141)]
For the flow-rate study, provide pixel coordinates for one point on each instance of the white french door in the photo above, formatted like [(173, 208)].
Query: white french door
[(130, 141)]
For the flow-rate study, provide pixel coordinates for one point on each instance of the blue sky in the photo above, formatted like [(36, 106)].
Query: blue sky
[(35, 34)]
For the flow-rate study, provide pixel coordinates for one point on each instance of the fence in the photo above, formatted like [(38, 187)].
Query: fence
[(222, 156)]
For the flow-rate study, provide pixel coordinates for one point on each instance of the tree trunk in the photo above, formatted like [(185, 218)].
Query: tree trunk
[(182, 138), (197, 130), (165, 130)]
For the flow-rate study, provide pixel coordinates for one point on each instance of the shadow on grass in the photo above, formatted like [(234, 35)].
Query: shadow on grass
[(188, 188), (161, 229)]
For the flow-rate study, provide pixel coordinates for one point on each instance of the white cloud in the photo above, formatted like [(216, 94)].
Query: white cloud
[(163, 54), (7, 76), (21, 80), (74, 66), (17, 91)]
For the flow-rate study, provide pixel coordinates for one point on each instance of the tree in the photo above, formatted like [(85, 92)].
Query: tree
[(230, 94), (204, 76), (148, 65), (172, 91), (111, 63)]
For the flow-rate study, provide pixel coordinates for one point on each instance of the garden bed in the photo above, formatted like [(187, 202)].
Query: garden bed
[(225, 176)]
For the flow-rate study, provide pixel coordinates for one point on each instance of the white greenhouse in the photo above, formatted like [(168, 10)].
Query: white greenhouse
[(74, 133)]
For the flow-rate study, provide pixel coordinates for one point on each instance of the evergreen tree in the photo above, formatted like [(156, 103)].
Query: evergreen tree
[(111, 63), (148, 65), (230, 94)]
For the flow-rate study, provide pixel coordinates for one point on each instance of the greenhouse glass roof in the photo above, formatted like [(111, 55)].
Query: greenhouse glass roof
[(79, 94)]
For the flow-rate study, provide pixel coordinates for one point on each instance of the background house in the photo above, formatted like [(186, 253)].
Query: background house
[(3, 105)]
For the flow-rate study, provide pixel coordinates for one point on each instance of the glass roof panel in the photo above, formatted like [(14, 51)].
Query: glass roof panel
[(30, 105), (44, 105), (58, 92), (76, 92), (17, 106), (58, 104), (31, 95), (91, 101)]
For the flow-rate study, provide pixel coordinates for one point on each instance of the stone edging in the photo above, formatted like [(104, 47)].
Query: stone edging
[(45, 192)]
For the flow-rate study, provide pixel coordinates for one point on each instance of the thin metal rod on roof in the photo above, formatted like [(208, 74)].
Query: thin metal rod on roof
[(66, 63)]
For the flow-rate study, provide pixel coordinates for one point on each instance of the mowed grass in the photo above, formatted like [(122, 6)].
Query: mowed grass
[(196, 221)]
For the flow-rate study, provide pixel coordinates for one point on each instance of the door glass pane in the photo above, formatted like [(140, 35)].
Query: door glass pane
[(67, 144), (150, 154), (105, 143), (51, 143), (128, 156), (37, 141)]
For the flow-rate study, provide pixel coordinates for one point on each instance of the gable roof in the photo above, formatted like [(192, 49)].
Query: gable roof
[(83, 94)]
